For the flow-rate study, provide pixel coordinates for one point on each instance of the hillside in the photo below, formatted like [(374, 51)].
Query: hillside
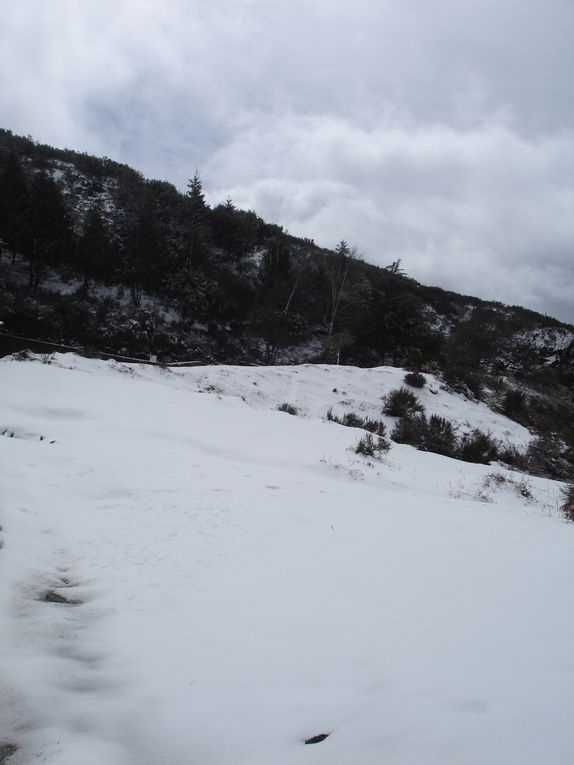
[(98, 258), (189, 575)]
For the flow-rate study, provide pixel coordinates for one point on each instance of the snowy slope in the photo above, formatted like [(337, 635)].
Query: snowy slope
[(243, 581)]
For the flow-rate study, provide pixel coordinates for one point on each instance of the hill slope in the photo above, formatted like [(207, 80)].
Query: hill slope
[(100, 259), (242, 581)]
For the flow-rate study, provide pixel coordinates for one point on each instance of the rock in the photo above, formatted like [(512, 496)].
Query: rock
[(317, 739), (54, 597)]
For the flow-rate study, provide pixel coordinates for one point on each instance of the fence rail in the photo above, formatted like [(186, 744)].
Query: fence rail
[(14, 344)]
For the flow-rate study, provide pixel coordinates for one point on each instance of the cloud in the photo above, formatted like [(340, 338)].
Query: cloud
[(485, 211), (432, 130)]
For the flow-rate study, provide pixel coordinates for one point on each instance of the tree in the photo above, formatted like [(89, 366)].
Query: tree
[(14, 207), (197, 230), (394, 322), (338, 272), (278, 330), (197, 207), (144, 255), (94, 246), (335, 344), (51, 233), (235, 231)]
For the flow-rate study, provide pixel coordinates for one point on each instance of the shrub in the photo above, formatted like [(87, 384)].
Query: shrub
[(433, 435), (352, 420), (568, 504), (464, 381), (513, 457), (400, 402), (415, 379), (289, 408), (499, 480), (548, 457), (478, 447), (514, 404), (371, 446), (440, 437), (410, 430)]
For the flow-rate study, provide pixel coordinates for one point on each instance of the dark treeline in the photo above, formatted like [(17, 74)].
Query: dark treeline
[(93, 254)]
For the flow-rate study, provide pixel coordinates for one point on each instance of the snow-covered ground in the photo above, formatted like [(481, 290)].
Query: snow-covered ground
[(242, 581)]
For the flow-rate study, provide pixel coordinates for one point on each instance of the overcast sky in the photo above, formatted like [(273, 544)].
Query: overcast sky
[(440, 132)]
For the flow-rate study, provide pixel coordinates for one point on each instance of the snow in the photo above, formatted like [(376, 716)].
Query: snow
[(546, 338), (247, 582)]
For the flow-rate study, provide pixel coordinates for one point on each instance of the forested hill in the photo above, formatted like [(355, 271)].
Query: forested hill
[(96, 256)]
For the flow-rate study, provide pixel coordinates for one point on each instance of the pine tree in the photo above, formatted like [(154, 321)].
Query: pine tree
[(94, 247), (50, 228), (144, 255), (14, 207), (197, 231)]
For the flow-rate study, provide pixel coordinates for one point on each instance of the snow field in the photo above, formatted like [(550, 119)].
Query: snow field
[(248, 582)]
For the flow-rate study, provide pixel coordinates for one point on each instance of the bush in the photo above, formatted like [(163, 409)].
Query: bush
[(516, 459), (352, 420), (433, 435), (478, 447), (440, 437), (410, 430), (498, 481), (289, 408), (371, 446), (464, 381), (400, 402), (548, 457), (415, 379), (514, 404), (568, 504)]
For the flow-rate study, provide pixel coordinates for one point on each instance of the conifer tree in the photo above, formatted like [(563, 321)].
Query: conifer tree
[(94, 247), (51, 233), (14, 207)]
